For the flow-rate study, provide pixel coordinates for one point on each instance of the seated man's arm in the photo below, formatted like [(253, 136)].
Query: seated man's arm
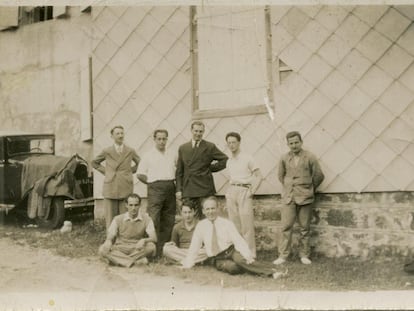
[(111, 236), (152, 236)]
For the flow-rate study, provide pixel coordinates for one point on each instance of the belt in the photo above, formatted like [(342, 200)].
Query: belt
[(241, 185), (162, 180)]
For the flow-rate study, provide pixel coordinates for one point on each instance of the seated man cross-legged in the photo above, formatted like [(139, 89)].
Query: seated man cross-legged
[(131, 236), (226, 248), (182, 233)]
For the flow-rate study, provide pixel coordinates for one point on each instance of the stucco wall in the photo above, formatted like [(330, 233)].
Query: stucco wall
[(40, 79)]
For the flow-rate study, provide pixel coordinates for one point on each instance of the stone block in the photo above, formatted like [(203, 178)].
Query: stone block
[(376, 118), (334, 50), (294, 21), (396, 98), (338, 158), (392, 24), (370, 13), (315, 70), (331, 16), (352, 30), (336, 122), (407, 78), (280, 39), (373, 45), (295, 55), (395, 61), (374, 82), (335, 86), (354, 65), (355, 102), (313, 35), (401, 169), (406, 41), (316, 105), (378, 155), (359, 174)]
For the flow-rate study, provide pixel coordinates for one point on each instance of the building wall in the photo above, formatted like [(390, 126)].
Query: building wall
[(41, 84), (350, 92)]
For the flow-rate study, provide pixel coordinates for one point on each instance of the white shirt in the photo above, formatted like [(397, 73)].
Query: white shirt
[(157, 165), (227, 235), (119, 148), (241, 168)]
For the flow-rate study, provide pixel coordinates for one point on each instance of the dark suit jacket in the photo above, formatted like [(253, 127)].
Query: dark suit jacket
[(117, 170), (194, 169)]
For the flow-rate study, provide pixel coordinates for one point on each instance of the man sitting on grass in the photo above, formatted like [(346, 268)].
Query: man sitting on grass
[(224, 245), (182, 233), (131, 236)]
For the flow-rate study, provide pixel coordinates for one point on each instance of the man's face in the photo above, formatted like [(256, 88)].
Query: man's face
[(294, 144), (118, 136), (133, 207), (197, 131), (210, 210), (160, 140), (187, 214), (233, 144)]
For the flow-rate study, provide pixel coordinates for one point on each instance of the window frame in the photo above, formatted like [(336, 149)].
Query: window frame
[(197, 113)]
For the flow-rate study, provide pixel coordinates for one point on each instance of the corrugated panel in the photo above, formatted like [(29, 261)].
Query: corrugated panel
[(351, 92)]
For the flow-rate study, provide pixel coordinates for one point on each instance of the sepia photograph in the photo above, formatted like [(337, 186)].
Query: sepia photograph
[(206, 155)]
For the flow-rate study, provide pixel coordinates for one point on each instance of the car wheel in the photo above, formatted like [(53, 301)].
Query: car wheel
[(56, 215)]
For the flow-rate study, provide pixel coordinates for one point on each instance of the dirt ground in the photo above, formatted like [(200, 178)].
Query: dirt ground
[(36, 279)]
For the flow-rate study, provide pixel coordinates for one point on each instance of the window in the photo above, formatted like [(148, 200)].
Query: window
[(231, 59), (30, 14)]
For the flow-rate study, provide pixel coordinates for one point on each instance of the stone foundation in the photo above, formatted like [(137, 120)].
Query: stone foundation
[(364, 225)]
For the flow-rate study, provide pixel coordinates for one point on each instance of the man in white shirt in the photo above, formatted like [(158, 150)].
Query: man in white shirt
[(157, 170), (225, 247), (245, 178)]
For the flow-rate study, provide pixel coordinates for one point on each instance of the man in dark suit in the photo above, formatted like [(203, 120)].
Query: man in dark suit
[(197, 160), (118, 173)]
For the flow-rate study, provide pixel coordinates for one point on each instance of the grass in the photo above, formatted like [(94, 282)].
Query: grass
[(346, 273)]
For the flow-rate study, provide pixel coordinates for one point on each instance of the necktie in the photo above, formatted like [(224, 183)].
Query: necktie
[(214, 241)]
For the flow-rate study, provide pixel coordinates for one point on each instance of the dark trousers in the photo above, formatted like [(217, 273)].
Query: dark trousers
[(161, 208), (232, 262)]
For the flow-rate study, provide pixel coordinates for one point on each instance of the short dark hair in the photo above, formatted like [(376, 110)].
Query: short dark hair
[(160, 131), (210, 198), (293, 134), (234, 134), (116, 127), (189, 204), (134, 196), (197, 122)]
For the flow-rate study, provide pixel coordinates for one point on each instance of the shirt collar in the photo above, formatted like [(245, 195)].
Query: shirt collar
[(291, 154), (119, 146), (139, 216), (193, 143)]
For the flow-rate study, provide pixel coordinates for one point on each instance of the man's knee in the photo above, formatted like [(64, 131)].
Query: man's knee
[(167, 249), (150, 249), (228, 266)]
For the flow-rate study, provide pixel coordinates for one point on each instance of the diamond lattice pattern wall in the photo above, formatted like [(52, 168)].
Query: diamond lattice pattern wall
[(350, 91)]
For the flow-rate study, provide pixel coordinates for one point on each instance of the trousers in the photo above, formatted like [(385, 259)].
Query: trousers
[(178, 254), (290, 213), (126, 254), (113, 207), (162, 208), (232, 262), (240, 210)]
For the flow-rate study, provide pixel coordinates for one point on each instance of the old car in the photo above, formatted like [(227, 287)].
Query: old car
[(35, 181)]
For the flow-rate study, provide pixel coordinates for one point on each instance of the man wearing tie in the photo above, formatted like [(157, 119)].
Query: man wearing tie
[(197, 160), (118, 173), (225, 247)]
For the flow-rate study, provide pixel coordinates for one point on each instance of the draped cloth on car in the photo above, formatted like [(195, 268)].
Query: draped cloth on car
[(47, 176)]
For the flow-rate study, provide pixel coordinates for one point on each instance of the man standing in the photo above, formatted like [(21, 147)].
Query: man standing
[(177, 248), (225, 247), (118, 173), (131, 236), (157, 170), (245, 178), (197, 160), (300, 175)]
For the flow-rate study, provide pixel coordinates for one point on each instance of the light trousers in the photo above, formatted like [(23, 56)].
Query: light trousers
[(290, 213), (178, 254), (240, 210), (126, 254), (113, 207)]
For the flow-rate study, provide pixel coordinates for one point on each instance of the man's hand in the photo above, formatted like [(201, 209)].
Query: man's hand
[(249, 260), (170, 243), (179, 195), (106, 247), (141, 244)]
